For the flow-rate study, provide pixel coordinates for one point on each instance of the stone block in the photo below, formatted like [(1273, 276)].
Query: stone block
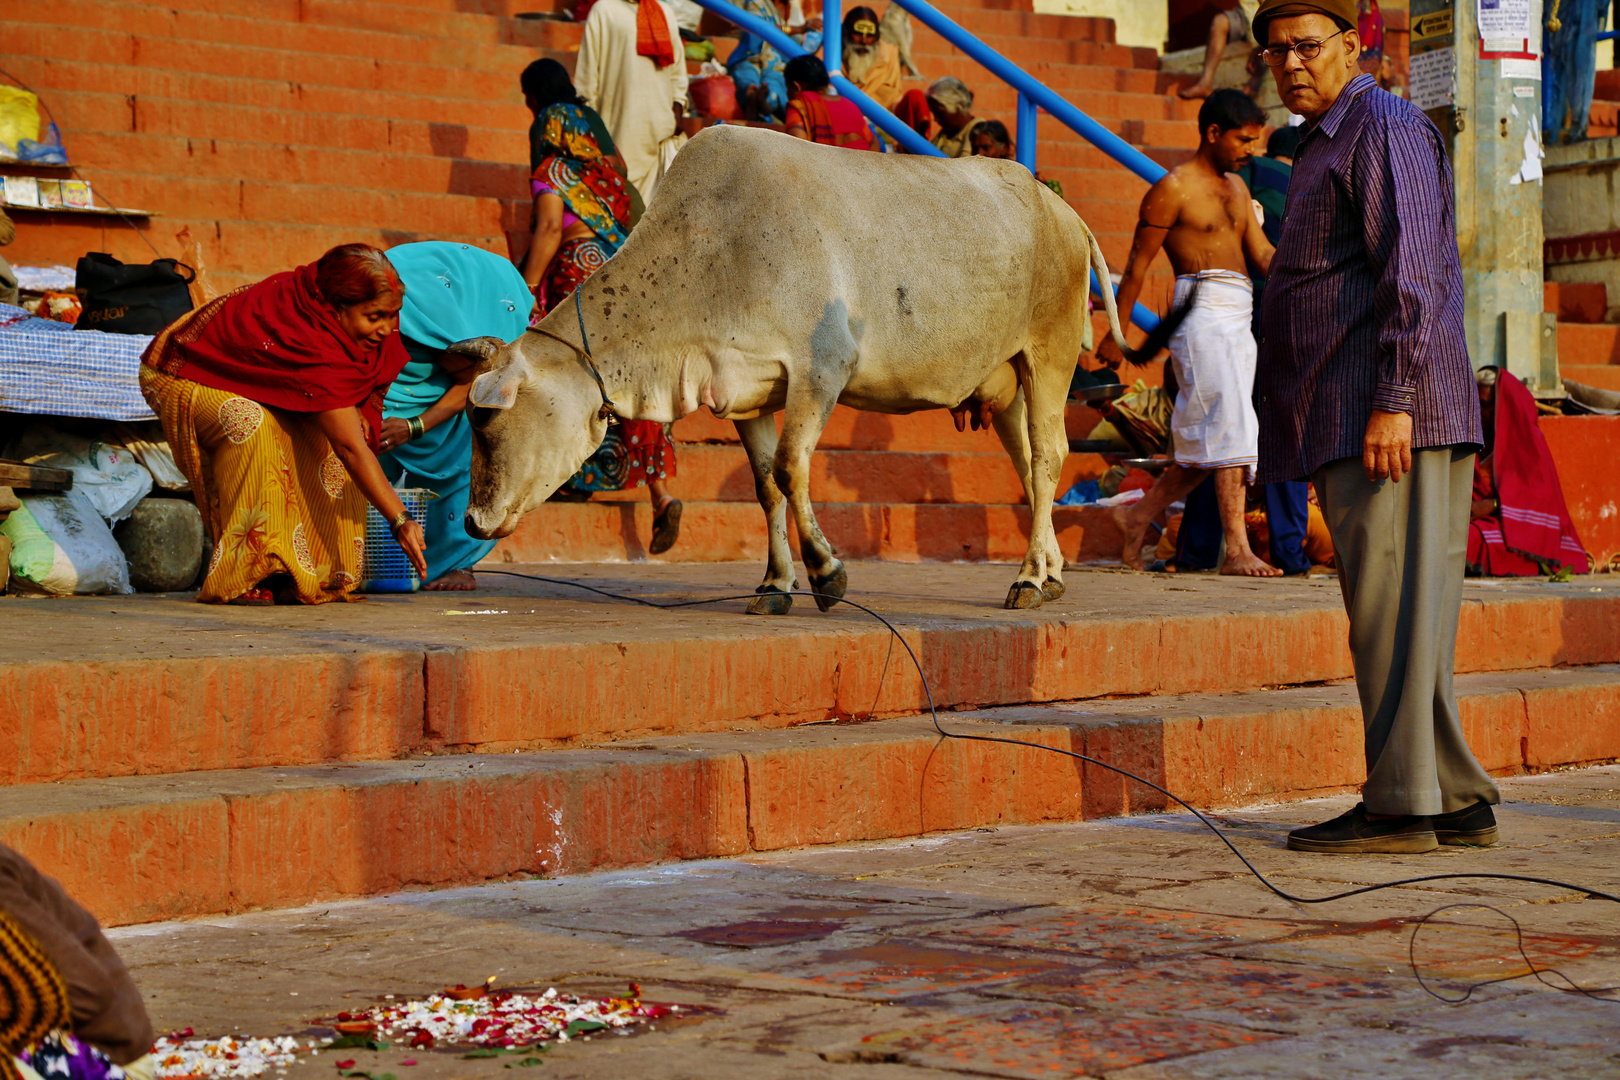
[(163, 541)]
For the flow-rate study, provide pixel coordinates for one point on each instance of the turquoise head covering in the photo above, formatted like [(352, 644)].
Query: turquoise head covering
[(452, 292), (456, 291)]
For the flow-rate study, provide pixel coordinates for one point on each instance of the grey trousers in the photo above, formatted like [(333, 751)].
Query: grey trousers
[(1400, 550)]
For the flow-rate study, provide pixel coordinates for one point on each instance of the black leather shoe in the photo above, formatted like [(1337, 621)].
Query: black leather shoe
[(1352, 834), (1474, 826)]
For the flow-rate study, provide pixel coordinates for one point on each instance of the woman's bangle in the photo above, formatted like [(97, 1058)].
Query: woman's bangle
[(416, 426), (404, 516)]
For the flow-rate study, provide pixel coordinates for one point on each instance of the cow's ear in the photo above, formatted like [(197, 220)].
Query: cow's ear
[(498, 389)]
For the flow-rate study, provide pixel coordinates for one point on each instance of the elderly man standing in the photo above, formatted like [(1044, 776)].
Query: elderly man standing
[(1365, 386), (632, 70)]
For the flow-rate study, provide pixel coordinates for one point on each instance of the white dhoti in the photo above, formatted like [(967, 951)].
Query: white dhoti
[(1214, 425)]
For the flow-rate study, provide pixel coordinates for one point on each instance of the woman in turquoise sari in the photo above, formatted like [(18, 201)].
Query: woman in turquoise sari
[(453, 292)]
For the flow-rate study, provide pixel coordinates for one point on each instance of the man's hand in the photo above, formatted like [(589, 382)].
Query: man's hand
[(1387, 449), (1108, 353)]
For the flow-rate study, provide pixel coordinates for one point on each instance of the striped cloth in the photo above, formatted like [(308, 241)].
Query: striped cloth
[(33, 998), (49, 367), (1364, 305)]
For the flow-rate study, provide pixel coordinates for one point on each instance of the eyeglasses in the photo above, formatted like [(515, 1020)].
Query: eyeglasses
[(1277, 55)]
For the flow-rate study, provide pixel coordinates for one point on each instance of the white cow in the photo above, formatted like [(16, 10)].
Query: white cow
[(772, 274)]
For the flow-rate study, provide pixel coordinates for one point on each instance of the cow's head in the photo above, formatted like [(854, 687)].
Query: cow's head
[(535, 418)]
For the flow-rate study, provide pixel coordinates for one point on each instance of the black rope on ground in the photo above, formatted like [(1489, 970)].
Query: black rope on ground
[(1539, 973), (933, 713)]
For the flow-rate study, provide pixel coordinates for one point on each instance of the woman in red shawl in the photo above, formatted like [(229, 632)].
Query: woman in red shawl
[(271, 400), (1520, 524)]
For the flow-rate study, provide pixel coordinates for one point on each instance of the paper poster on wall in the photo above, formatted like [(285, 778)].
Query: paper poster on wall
[(1433, 73), (1505, 21)]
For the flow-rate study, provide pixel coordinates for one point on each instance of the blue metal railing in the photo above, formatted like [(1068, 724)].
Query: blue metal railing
[(1032, 95)]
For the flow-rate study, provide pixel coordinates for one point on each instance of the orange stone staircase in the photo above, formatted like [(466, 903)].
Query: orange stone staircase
[(168, 759)]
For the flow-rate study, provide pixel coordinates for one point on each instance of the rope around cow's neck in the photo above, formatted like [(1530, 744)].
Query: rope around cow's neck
[(608, 411)]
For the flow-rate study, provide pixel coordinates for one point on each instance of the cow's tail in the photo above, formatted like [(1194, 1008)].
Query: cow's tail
[(1160, 336)]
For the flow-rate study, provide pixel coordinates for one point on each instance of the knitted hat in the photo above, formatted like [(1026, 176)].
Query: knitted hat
[(1344, 12)]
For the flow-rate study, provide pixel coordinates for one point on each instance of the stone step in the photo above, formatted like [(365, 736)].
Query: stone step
[(929, 432), (721, 474), (719, 532), (143, 685), (1588, 344), (146, 848), (1603, 376)]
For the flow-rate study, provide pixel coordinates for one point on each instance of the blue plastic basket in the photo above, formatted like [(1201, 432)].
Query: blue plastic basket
[(387, 568)]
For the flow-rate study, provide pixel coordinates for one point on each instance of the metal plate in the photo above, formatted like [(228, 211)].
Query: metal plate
[(1095, 395)]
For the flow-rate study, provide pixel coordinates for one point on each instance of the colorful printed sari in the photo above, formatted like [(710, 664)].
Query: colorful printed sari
[(634, 451), (274, 496)]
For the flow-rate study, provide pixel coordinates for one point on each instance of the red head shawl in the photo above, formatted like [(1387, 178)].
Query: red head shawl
[(280, 343)]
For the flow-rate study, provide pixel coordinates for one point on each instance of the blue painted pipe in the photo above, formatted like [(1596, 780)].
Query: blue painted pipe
[(832, 35), (1025, 138), (891, 124), (1020, 80)]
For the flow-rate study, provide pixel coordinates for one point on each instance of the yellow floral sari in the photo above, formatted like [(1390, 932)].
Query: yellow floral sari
[(274, 496)]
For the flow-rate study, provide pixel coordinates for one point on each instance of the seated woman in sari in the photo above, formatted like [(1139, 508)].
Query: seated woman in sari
[(1519, 524), (581, 217), (271, 399), (452, 292)]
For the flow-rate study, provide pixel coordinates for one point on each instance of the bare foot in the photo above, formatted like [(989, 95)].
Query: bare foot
[(1131, 553), (454, 581), (1248, 564), (1195, 91)]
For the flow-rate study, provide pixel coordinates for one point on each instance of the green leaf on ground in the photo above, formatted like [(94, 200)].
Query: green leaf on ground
[(361, 1042), (526, 1063), (575, 1027)]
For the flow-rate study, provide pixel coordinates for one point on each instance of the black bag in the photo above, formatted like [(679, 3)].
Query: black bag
[(132, 299)]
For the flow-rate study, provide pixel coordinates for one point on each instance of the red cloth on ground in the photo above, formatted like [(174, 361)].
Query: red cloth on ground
[(831, 121), (912, 110), (1533, 519), (652, 34), (1486, 548), (279, 343)]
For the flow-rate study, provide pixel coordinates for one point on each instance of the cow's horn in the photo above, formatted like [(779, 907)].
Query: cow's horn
[(476, 349)]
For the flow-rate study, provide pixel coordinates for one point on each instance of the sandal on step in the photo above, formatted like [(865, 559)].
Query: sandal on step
[(666, 528)]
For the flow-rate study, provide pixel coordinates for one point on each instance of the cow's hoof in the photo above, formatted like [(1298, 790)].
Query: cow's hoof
[(770, 602), (1022, 595), (1051, 589), (828, 589)]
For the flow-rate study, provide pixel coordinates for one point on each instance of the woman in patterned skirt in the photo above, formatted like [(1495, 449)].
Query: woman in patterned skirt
[(581, 217), (271, 399)]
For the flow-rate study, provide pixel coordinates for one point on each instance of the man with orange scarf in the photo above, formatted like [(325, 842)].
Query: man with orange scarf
[(632, 71)]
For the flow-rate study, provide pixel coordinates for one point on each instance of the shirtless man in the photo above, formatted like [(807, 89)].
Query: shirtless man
[(1203, 217)]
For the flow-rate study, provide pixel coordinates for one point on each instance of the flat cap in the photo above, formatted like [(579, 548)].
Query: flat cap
[(1343, 12)]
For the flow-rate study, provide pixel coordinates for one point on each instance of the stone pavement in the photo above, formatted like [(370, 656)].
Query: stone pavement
[(1135, 948)]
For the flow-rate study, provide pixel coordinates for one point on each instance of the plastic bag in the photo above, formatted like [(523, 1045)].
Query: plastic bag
[(110, 479), (19, 116), (61, 547)]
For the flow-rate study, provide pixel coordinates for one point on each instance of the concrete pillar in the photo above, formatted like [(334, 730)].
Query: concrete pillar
[(1491, 115)]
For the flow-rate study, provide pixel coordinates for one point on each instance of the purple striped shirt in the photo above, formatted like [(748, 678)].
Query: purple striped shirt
[(1364, 305)]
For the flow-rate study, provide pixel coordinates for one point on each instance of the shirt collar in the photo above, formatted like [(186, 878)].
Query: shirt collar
[(1329, 124)]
